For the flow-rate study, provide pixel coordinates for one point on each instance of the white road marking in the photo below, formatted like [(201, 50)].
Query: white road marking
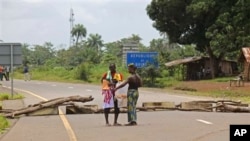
[(53, 85), (66, 123), (70, 87), (203, 121), (89, 90)]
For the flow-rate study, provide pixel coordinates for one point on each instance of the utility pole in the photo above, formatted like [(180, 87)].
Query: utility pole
[(71, 20)]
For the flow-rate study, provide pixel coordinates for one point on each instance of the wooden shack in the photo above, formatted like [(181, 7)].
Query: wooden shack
[(244, 61), (197, 68)]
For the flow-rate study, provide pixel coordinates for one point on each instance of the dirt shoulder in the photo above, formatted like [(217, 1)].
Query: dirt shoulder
[(12, 122), (203, 86), (217, 90), (221, 90)]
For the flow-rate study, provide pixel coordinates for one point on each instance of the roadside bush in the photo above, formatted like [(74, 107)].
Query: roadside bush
[(3, 123), (4, 97), (8, 96), (82, 72)]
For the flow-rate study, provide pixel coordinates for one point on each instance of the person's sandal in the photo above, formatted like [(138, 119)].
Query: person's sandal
[(133, 123)]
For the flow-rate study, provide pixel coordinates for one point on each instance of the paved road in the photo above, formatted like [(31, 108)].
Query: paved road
[(51, 90), (157, 126)]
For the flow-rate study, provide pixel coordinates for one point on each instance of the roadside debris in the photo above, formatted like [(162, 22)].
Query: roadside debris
[(53, 103)]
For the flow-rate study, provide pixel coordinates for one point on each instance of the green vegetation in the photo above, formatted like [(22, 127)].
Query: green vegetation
[(8, 96), (3, 123), (218, 29), (85, 73)]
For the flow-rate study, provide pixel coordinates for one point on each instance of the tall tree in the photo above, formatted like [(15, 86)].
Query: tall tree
[(26, 53), (158, 45), (214, 26), (75, 55), (41, 53), (135, 37), (95, 41), (112, 52), (78, 32)]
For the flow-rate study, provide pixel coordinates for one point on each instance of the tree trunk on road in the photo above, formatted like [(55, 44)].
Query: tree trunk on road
[(232, 108), (46, 104)]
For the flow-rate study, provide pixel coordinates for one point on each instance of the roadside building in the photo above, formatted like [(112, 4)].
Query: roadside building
[(197, 68), (244, 61)]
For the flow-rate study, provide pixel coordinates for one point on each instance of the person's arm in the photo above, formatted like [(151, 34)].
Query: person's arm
[(103, 77), (122, 84)]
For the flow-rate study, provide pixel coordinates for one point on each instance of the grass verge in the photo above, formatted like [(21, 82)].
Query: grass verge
[(5, 96), (4, 123)]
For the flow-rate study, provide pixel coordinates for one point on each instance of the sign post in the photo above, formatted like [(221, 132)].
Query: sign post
[(141, 59), (10, 55)]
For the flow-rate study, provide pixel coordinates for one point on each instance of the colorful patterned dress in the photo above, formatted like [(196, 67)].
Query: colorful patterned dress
[(132, 96), (108, 97)]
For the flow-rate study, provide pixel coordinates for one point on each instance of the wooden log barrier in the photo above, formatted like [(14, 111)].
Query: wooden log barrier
[(83, 109), (45, 111), (157, 106), (196, 106)]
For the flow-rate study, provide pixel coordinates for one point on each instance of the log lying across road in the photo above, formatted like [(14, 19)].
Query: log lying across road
[(204, 106), (47, 104), (73, 108), (233, 108)]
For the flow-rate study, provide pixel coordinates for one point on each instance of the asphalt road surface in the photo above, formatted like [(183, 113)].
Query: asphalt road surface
[(156, 126)]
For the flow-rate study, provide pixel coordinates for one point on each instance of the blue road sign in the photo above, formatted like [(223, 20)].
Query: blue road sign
[(141, 59)]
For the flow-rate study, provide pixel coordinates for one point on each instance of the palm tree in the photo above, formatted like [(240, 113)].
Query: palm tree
[(78, 31), (95, 41), (135, 38)]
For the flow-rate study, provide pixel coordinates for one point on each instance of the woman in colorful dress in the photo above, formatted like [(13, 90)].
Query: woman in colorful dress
[(109, 81), (134, 82)]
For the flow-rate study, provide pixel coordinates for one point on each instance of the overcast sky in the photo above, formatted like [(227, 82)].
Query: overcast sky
[(39, 21)]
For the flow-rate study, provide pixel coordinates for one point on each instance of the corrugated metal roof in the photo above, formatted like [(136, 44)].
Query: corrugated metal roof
[(246, 53), (182, 61)]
